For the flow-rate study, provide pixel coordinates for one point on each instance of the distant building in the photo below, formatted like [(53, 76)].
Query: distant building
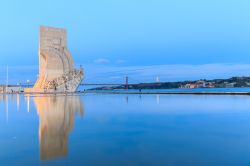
[(230, 85), (199, 84), (11, 89)]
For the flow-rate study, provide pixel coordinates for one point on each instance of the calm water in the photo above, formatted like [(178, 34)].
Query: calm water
[(124, 130), (183, 90)]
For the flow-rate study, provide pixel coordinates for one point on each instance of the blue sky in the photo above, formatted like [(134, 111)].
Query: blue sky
[(124, 34)]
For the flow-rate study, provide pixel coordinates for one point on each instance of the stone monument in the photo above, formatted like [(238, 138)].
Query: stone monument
[(56, 66)]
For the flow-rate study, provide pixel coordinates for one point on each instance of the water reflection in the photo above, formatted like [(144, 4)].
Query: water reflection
[(18, 102), (28, 102), (56, 119), (7, 108), (158, 99), (167, 129)]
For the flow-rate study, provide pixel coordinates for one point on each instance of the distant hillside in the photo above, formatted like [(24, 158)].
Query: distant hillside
[(215, 83)]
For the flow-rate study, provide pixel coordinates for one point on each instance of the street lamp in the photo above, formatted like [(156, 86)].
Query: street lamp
[(28, 81)]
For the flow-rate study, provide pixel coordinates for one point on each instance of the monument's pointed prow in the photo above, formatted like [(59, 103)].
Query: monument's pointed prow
[(56, 66)]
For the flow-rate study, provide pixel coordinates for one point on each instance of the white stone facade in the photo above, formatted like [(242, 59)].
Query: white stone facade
[(56, 66)]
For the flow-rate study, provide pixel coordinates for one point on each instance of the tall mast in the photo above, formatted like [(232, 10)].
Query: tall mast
[(6, 90), (7, 78)]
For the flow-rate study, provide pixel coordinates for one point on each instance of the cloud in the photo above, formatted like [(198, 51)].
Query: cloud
[(120, 61), (107, 61), (102, 61)]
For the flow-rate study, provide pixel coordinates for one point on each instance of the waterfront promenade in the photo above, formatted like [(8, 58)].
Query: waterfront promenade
[(139, 93)]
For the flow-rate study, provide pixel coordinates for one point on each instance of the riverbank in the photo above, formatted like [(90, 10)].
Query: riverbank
[(196, 91), (172, 93)]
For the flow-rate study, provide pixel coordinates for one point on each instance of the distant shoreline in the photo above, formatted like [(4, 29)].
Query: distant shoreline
[(233, 82), (136, 93), (172, 93), (178, 91)]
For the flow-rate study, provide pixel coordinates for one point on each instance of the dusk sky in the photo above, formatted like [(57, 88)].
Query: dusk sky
[(172, 39)]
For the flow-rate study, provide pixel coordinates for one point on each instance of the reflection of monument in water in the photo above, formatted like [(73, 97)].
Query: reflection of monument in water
[(56, 66), (56, 119)]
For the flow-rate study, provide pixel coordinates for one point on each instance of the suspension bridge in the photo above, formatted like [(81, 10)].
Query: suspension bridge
[(102, 77), (125, 84)]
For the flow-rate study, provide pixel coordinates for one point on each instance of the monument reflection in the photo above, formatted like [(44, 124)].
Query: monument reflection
[(56, 120)]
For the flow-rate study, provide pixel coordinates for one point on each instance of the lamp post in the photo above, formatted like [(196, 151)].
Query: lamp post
[(28, 81)]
